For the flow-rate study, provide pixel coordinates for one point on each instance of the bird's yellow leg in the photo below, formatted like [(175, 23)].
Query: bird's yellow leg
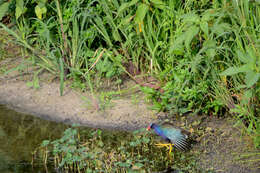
[(162, 145), (166, 145), (170, 148)]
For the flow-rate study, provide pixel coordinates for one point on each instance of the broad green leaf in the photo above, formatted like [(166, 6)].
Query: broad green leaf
[(251, 55), (208, 14), (191, 18), (122, 8), (3, 9), (190, 34), (116, 35), (247, 96), (125, 6), (158, 4), (40, 1), (210, 46), (141, 12), (221, 28), (204, 27), (241, 86), (195, 62), (19, 8), (125, 21), (45, 143), (126, 165), (251, 78), (18, 12), (177, 45), (211, 53), (133, 2), (178, 50), (235, 70), (40, 10), (242, 57)]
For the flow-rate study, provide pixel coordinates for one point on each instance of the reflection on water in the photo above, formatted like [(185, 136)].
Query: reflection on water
[(20, 134)]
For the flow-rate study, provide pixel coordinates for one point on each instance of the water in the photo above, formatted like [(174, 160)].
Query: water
[(20, 135)]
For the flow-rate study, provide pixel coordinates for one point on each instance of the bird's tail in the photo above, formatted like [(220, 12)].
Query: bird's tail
[(182, 143)]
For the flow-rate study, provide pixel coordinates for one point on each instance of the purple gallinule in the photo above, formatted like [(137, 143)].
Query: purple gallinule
[(174, 136)]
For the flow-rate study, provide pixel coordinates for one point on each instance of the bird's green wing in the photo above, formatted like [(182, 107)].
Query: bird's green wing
[(176, 137)]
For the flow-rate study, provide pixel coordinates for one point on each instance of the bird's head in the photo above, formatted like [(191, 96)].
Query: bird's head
[(151, 126)]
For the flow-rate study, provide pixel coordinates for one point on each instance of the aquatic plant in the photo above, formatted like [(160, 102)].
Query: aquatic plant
[(101, 151)]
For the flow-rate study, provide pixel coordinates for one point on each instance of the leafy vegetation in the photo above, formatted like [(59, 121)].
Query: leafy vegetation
[(203, 55), (98, 151)]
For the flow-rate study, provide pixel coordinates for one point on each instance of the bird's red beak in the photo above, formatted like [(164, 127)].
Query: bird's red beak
[(148, 128)]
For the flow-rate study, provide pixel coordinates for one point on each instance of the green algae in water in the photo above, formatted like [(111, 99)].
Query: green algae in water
[(20, 135)]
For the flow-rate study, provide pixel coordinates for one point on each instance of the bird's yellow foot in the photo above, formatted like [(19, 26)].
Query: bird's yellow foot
[(165, 145)]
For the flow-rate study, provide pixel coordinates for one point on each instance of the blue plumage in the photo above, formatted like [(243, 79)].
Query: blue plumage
[(176, 136)]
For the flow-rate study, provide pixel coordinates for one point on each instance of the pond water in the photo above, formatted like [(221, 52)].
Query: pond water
[(20, 135)]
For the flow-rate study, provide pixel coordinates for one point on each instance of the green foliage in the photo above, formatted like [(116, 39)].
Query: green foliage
[(250, 67), (99, 151), (3, 9), (194, 49), (244, 67)]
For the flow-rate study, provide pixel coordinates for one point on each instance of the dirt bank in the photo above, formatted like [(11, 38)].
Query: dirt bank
[(122, 113)]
